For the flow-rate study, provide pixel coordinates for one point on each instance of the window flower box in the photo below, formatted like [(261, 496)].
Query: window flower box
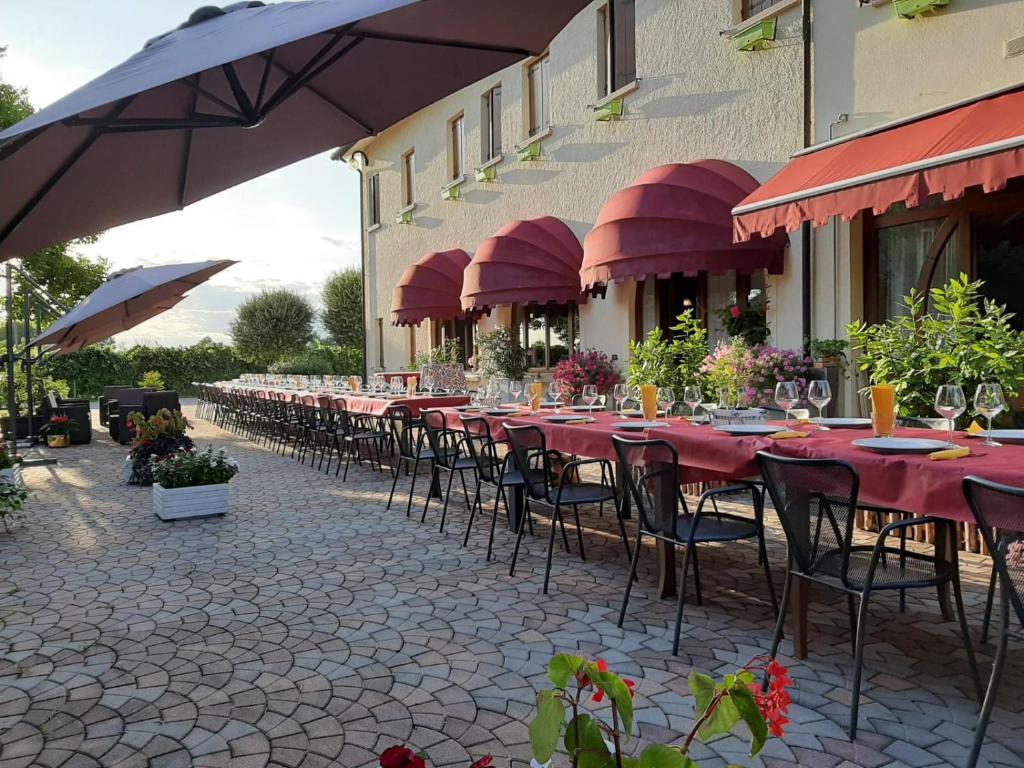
[(488, 172), (529, 152), (908, 9), (451, 191), (756, 37), (404, 216), (609, 110), (188, 503)]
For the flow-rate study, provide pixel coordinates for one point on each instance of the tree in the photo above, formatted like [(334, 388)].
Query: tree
[(272, 325), (343, 308)]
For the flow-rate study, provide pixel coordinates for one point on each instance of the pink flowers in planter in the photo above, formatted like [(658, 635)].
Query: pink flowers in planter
[(590, 367), (754, 371)]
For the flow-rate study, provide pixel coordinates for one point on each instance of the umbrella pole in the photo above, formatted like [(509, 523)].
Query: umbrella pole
[(12, 416), (28, 364)]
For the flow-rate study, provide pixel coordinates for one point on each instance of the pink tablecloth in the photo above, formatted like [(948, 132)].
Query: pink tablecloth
[(380, 405)]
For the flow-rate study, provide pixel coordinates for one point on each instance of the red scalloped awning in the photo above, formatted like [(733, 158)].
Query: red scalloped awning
[(536, 261), (430, 288), (943, 152), (676, 218)]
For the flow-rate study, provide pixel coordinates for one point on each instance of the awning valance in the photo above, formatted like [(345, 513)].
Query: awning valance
[(430, 288), (675, 218), (980, 143), (535, 261)]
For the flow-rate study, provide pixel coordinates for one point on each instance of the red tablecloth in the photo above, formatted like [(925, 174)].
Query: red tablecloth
[(379, 405)]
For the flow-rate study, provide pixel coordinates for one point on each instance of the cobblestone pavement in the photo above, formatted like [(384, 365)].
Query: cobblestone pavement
[(312, 627)]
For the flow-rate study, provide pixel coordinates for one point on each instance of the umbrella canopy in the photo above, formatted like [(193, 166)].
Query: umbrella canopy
[(126, 300), (240, 91)]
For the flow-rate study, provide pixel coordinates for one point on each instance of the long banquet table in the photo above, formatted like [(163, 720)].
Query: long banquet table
[(376, 405)]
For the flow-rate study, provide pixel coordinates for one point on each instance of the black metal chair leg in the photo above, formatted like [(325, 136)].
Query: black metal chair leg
[(579, 531), (851, 610), (435, 479), (965, 630), (689, 550), (989, 599), (858, 661), (412, 487), (632, 574), (519, 541), (447, 498), (993, 685), (696, 579), (394, 484), (762, 555), (556, 517), (494, 520), (780, 624)]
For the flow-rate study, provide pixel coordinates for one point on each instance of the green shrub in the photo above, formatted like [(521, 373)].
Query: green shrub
[(323, 359), (673, 362), (152, 379)]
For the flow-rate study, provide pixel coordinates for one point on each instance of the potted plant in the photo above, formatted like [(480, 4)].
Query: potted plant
[(162, 434), (58, 431), (582, 368), (829, 353), (12, 500), (500, 354), (748, 323), (959, 338), (152, 379), (191, 484), (749, 374), (674, 362), (10, 466)]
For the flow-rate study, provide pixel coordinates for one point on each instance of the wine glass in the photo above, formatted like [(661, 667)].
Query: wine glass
[(359, 383), (989, 402), (589, 395), (691, 396), (820, 394), (666, 399), (555, 394), (787, 395), (620, 394), (950, 403), (515, 389)]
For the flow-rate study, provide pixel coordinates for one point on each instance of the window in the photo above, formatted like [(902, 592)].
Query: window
[(456, 147), (547, 332), (753, 7), (616, 51), (408, 178), (490, 125), (373, 200), (539, 89)]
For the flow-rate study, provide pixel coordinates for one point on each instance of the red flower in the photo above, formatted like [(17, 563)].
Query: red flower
[(774, 704), (734, 311), (631, 685), (401, 757), (483, 762)]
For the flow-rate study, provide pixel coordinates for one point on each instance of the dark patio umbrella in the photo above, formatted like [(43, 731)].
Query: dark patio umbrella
[(240, 91), (124, 301)]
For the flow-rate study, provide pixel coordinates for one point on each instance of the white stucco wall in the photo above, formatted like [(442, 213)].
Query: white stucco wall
[(698, 98)]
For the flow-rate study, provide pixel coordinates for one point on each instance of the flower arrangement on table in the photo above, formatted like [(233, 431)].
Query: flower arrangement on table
[(582, 368), (750, 374), (592, 741), (188, 469), (162, 434), (748, 323)]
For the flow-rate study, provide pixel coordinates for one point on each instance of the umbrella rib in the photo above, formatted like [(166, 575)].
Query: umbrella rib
[(212, 97), (415, 40), (296, 80), (13, 145), (56, 176), (265, 77), (142, 124), (188, 145), (330, 102), (239, 93)]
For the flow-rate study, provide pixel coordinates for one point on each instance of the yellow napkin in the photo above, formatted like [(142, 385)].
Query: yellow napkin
[(577, 421), (975, 428), (950, 453), (788, 435)]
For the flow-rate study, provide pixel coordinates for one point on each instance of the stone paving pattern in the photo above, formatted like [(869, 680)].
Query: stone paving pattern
[(310, 627)]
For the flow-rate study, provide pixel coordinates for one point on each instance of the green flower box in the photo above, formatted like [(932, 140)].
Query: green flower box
[(488, 174), (755, 37), (451, 192), (908, 9), (403, 217), (610, 110), (530, 152)]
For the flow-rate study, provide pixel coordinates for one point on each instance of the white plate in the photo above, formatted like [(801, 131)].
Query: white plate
[(836, 423), (634, 414), (741, 430), (638, 426), (1000, 435), (901, 444), (561, 418)]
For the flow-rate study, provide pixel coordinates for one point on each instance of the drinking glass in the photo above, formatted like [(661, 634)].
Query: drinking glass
[(359, 382), (989, 402), (515, 389), (820, 394), (787, 395), (589, 395), (620, 394), (950, 403), (555, 393), (691, 396), (666, 399)]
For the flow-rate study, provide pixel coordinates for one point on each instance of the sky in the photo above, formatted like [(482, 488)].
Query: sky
[(289, 228)]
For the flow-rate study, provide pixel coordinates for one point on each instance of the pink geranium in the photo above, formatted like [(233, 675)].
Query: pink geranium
[(589, 367)]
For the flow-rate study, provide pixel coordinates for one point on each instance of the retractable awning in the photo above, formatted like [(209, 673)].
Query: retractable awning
[(430, 288), (526, 262), (676, 218), (942, 152)]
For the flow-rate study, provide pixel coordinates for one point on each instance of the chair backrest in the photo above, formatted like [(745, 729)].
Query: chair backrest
[(154, 401), (531, 454), (443, 442), (816, 501), (481, 448), (132, 398), (114, 392), (999, 512), (650, 462), (404, 430)]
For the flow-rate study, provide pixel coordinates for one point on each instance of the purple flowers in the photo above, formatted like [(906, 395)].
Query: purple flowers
[(590, 367), (754, 371)]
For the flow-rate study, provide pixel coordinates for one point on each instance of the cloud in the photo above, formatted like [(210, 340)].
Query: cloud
[(46, 82)]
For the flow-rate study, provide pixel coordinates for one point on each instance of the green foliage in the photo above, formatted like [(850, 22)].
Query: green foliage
[(152, 379), (673, 362), (272, 325), (12, 500), (14, 103), (448, 351), (501, 354), (965, 339), (41, 384), (343, 308), (193, 468), (102, 365), (321, 359), (750, 323), (822, 349)]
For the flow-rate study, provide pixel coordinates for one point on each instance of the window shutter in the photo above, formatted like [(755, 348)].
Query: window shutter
[(624, 42)]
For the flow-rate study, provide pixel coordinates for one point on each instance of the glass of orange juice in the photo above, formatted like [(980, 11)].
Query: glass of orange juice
[(883, 409)]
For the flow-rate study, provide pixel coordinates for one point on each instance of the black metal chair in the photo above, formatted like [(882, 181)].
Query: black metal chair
[(450, 455), (999, 513), (816, 501), (410, 446), (498, 472), (656, 462), (355, 433), (558, 489)]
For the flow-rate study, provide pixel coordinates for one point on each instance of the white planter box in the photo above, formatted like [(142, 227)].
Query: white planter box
[(185, 503), (13, 476)]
